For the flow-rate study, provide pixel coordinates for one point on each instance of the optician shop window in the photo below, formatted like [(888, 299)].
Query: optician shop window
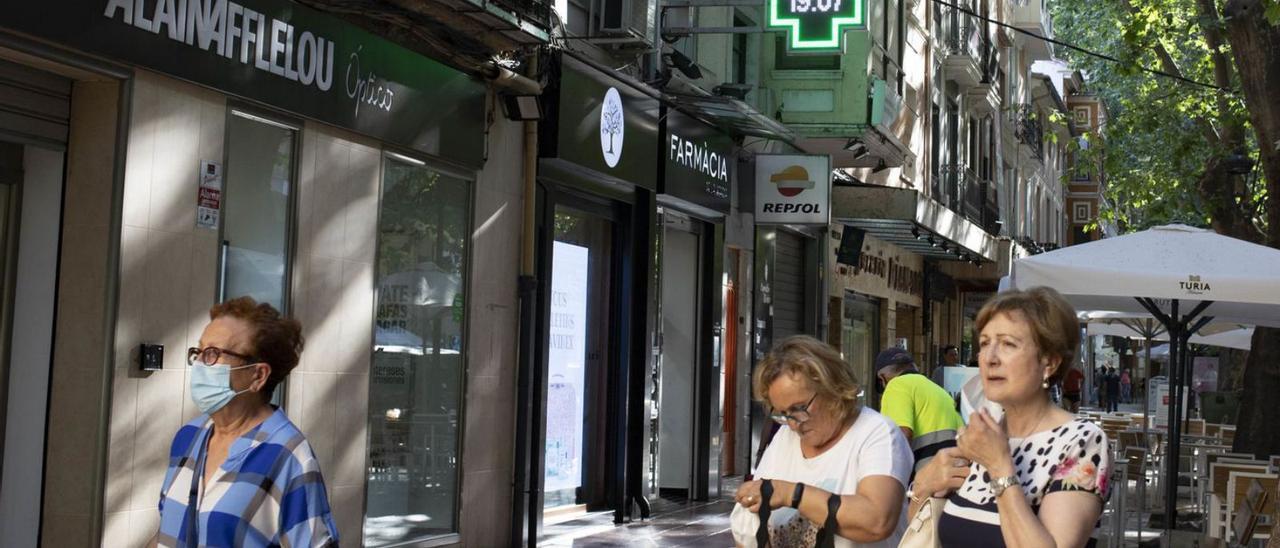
[(256, 215), (416, 389)]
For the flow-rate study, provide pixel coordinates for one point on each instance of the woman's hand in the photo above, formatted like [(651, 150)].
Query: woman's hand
[(945, 473), (986, 442), (748, 494)]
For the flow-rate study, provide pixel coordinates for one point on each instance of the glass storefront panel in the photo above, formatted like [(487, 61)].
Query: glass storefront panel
[(580, 270), (416, 389), (860, 338), (255, 235)]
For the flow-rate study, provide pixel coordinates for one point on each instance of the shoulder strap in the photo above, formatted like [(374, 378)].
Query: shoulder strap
[(826, 537), (762, 532)]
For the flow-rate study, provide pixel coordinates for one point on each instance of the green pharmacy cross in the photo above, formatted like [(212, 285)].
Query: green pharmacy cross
[(816, 24)]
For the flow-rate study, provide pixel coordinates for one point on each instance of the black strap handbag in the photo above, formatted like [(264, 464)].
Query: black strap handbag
[(826, 536)]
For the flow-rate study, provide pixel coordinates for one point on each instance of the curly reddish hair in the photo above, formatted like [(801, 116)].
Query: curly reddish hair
[(276, 340)]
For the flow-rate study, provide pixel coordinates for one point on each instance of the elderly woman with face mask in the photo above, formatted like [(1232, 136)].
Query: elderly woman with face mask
[(1038, 475), (836, 467), (241, 474)]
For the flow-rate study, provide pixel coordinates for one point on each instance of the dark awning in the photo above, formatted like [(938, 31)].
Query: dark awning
[(732, 115), (907, 219)]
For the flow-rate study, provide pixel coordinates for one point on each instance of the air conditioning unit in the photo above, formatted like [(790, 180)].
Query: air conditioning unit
[(628, 23)]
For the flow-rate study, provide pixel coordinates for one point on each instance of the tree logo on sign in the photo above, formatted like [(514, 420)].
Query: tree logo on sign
[(612, 127)]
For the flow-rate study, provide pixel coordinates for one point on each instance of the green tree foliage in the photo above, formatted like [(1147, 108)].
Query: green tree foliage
[(1160, 133)]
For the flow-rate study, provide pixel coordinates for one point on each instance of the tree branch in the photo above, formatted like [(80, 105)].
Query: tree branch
[(1170, 66), (1233, 129)]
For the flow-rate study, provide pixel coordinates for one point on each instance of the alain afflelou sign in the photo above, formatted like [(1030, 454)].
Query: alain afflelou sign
[(280, 53)]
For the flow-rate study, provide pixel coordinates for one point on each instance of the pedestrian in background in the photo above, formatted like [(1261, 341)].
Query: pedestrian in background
[(1072, 386), (923, 411), (1126, 387), (241, 474), (950, 358), (1100, 386), (1113, 390), (1038, 475), (830, 452)]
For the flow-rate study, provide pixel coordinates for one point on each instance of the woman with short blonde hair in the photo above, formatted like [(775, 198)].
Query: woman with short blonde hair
[(835, 467)]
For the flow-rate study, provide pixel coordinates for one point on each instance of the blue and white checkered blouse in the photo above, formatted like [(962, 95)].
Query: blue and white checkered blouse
[(269, 492)]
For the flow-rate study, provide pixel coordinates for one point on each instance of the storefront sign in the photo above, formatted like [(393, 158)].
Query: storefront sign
[(605, 125), (1159, 397), (209, 199), (283, 54), (700, 162), (816, 24), (882, 270), (793, 189)]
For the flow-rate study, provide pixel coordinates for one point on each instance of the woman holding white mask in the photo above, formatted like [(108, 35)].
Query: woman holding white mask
[(1038, 475)]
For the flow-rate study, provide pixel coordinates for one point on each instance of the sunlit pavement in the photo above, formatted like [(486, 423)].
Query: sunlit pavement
[(672, 524)]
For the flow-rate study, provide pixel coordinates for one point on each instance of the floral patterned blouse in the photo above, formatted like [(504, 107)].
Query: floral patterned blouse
[(1071, 457)]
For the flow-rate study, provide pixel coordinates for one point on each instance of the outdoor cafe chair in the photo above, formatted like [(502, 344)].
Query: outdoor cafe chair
[(1240, 485), (1194, 427), (1219, 477), (1207, 460)]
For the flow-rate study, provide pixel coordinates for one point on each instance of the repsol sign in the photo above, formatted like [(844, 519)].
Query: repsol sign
[(787, 208), (793, 189)]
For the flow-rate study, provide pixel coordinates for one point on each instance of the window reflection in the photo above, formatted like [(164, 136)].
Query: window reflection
[(256, 230), (415, 393)]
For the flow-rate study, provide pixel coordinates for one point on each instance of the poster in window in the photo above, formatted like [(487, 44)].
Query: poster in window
[(566, 358)]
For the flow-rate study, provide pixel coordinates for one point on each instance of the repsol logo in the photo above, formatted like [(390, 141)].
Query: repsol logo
[(791, 208)]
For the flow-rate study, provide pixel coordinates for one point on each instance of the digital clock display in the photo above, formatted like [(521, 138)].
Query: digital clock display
[(815, 6), (816, 25)]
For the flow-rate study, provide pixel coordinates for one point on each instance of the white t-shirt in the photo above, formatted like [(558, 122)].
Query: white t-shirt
[(873, 446)]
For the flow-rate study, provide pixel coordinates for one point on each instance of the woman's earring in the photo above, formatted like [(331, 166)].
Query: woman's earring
[(1045, 384)]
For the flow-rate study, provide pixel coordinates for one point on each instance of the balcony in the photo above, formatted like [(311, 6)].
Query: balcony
[(964, 51), (962, 191), (1028, 131), (1033, 16), (984, 97), (991, 209), (837, 105)]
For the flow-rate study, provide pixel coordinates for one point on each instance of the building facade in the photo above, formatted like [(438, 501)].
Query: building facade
[(172, 155), (520, 236)]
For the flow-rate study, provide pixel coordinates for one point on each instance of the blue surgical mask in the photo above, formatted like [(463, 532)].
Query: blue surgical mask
[(211, 386)]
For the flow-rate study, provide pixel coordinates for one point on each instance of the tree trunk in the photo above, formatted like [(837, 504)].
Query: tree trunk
[(1258, 424), (1255, 44)]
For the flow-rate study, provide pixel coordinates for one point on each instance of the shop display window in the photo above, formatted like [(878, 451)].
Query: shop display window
[(416, 389)]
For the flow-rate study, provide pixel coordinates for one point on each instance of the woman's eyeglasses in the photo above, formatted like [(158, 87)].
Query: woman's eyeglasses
[(210, 355), (799, 416)]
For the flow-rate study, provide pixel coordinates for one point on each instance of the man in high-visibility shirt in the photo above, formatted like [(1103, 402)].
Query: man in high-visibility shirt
[(924, 411)]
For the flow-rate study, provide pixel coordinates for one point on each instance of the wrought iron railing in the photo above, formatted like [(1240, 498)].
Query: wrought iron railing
[(990, 208), (963, 38), (963, 192), (1028, 129), (956, 180)]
